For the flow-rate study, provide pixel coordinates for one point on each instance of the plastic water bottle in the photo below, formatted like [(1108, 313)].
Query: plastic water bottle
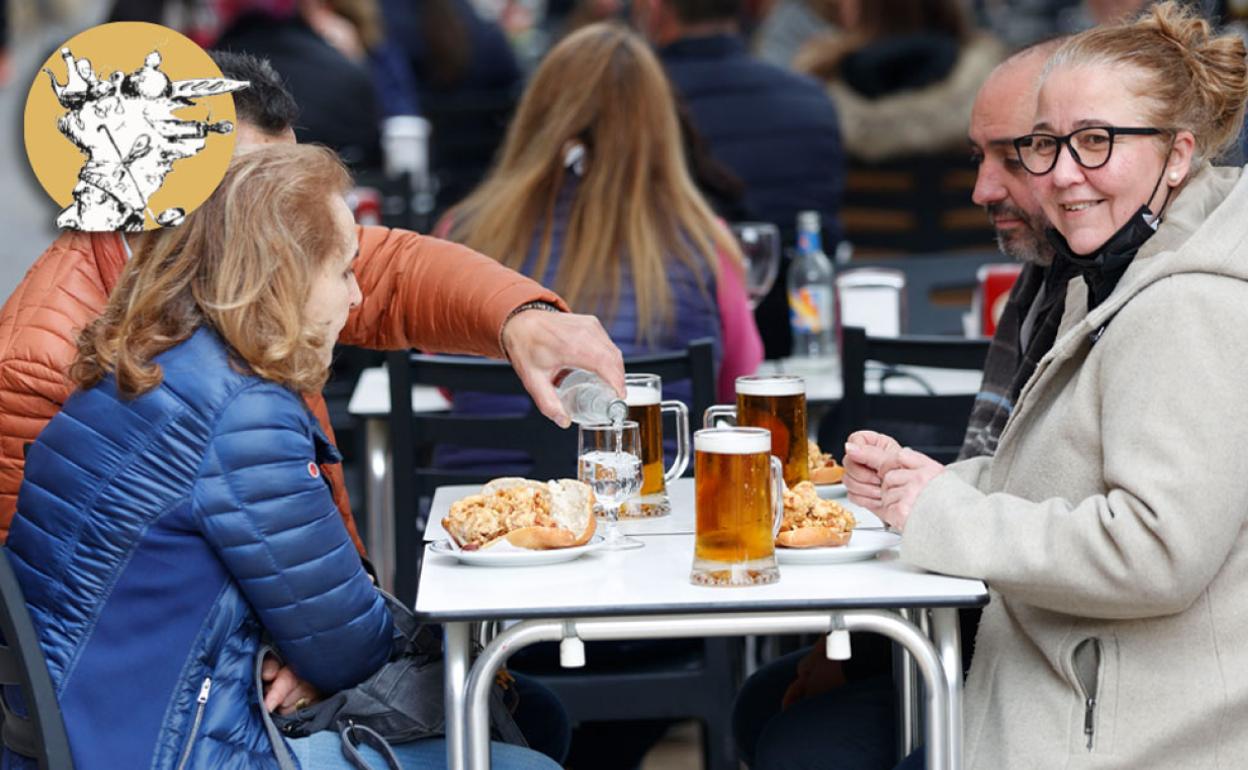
[(812, 296), (587, 399)]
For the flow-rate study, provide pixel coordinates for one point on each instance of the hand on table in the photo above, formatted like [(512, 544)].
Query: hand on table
[(283, 689), (815, 675), (542, 344), (866, 453), (904, 478)]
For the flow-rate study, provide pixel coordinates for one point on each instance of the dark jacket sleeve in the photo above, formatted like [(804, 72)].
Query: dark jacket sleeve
[(265, 509)]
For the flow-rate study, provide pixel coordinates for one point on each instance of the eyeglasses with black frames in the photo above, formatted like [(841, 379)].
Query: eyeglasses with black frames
[(1090, 147)]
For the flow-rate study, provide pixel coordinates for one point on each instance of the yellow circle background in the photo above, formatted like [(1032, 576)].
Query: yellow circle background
[(123, 46)]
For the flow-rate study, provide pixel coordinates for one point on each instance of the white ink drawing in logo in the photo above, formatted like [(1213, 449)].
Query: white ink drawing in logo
[(127, 128)]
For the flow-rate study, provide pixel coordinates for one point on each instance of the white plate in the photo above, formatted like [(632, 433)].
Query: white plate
[(865, 544), (505, 554), (831, 490)]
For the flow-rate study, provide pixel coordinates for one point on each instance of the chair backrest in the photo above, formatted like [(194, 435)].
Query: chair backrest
[(914, 204), (934, 424), (552, 449), (40, 734), (940, 287)]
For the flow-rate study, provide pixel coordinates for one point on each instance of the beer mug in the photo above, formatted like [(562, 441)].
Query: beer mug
[(739, 500), (778, 403), (645, 407)]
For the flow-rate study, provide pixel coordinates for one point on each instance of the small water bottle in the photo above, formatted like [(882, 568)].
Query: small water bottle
[(812, 298), (587, 399)]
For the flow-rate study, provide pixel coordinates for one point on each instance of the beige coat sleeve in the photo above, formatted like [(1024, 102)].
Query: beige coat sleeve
[(1171, 371)]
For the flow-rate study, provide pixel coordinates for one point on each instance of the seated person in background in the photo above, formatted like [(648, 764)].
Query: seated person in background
[(903, 74), (592, 196), (338, 105), (173, 512), (1110, 522), (776, 130), (418, 292)]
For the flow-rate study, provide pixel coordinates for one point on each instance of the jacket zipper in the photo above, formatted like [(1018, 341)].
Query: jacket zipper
[(199, 717), (1088, 691)]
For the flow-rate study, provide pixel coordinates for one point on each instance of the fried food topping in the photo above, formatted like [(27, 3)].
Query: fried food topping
[(478, 519), (817, 459), (804, 508)]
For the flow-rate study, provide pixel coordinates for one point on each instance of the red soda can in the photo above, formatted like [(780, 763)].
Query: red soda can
[(995, 282)]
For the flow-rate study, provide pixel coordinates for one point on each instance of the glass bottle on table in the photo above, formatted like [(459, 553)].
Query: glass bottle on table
[(812, 295)]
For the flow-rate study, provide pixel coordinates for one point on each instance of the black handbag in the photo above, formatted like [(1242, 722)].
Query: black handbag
[(402, 701)]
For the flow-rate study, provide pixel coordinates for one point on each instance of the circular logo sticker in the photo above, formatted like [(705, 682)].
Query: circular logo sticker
[(314, 471), (129, 126)]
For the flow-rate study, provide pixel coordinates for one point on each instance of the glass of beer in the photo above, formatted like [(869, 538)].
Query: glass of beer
[(646, 407), (778, 403), (739, 498)]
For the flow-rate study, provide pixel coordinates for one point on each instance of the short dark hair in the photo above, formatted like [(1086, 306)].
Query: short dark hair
[(266, 104), (696, 11)]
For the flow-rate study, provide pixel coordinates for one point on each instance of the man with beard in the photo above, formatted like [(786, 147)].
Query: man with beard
[(1003, 110)]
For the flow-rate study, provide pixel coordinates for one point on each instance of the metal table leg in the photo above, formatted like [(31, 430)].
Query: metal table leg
[(906, 676), (947, 635), (379, 499), (481, 678), (455, 661)]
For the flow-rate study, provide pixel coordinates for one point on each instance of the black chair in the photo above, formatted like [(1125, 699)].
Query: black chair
[(699, 680), (41, 734), (931, 423)]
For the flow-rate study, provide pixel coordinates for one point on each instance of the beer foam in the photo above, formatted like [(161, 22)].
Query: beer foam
[(771, 386), (639, 395), (732, 441)]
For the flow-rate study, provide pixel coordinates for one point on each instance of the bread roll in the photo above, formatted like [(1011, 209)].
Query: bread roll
[(526, 513)]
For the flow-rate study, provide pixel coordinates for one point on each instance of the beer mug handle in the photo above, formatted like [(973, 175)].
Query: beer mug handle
[(777, 495), (717, 412), (681, 462)]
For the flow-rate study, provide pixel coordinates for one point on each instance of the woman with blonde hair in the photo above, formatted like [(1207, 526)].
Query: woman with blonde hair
[(173, 514), (591, 196), (1110, 523)]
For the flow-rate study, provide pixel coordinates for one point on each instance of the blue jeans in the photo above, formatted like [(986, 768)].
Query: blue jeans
[(849, 727), (323, 751)]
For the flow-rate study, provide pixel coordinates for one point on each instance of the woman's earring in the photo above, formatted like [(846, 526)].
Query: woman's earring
[(1174, 176)]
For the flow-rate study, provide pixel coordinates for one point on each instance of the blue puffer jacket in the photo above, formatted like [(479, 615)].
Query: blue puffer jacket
[(158, 538)]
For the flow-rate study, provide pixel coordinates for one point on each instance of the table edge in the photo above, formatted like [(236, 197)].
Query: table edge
[(716, 608)]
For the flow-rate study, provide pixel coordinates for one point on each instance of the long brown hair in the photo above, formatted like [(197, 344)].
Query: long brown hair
[(1194, 79), (602, 87), (242, 263)]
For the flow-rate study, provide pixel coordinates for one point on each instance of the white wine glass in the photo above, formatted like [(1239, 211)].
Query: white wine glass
[(760, 245), (609, 461)]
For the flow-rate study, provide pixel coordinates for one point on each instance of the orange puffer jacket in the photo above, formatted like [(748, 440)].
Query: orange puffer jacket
[(419, 292)]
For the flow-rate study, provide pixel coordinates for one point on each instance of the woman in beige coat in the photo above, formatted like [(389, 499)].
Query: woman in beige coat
[(1110, 525)]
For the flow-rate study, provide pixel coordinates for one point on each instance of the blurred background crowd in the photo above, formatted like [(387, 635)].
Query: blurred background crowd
[(782, 102)]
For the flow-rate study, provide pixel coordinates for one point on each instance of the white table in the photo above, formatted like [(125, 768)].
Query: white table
[(370, 402), (679, 522), (646, 594)]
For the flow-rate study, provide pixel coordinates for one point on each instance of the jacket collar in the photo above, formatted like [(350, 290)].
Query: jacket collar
[(704, 47), (110, 253)]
